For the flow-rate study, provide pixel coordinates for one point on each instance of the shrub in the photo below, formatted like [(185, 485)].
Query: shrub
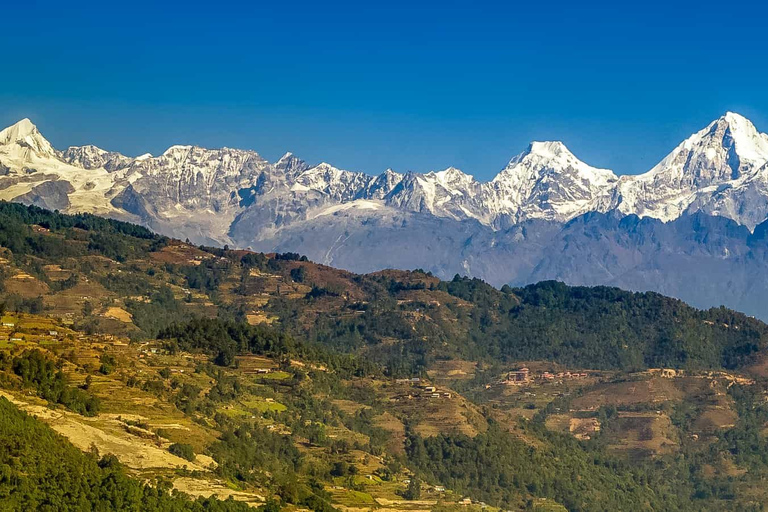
[(185, 451)]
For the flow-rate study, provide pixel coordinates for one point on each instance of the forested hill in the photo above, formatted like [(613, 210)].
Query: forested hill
[(110, 276), (598, 327), (604, 326)]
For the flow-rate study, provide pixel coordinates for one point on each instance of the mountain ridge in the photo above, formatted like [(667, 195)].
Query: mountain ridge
[(545, 181), (546, 215)]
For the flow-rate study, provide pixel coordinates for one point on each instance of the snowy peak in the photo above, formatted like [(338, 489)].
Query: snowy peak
[(26, 138), (290, 165), (724, 150), (288, 156), (337, 184), (452, 175), (548, 149), (748, 143), (18, 131), (718, 170), (383, 184), (176, 150), (452, 180), (552, 157), (92, 157), (547, 181), (323, 171)]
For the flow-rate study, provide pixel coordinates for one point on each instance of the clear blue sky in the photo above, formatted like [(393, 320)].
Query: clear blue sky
[(366, 86)]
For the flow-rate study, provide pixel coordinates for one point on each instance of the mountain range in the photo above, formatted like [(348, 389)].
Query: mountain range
[(694, 226)]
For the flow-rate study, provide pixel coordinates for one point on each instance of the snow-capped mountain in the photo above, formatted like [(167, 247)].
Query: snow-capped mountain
[(92, 157), (23, 141), (449, 193), (207, 193), (721, 170), (546, 214), (548, 182)]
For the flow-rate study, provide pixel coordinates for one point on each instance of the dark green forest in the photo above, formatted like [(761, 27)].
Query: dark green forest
[(588, 327), (502, 469)]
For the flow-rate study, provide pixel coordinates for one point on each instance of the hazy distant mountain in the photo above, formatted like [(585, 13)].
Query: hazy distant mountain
[(684, 228)]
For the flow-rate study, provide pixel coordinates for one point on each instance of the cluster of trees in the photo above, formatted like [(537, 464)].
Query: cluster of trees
[(40, 373), (18, 304), (248, 452), (225, 339), (40, 470), (114, 239), (502, 469), (747, 442), (606, 327), (252, 454), (207, 276), (183, 450), (162, 310), (55, 221), (290, 256)]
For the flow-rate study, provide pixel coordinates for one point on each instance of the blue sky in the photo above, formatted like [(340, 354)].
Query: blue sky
[(366, 86)]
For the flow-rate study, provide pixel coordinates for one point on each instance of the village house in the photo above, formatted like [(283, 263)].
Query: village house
[(518, 376)]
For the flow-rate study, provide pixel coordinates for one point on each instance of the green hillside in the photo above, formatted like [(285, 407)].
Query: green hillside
[(281, 383)]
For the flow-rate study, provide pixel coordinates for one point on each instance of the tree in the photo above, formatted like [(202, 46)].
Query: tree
[(108, 364), (413, 492), (298, 274), (226, 356), (340, 468), (271, 505), (183, 450)]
